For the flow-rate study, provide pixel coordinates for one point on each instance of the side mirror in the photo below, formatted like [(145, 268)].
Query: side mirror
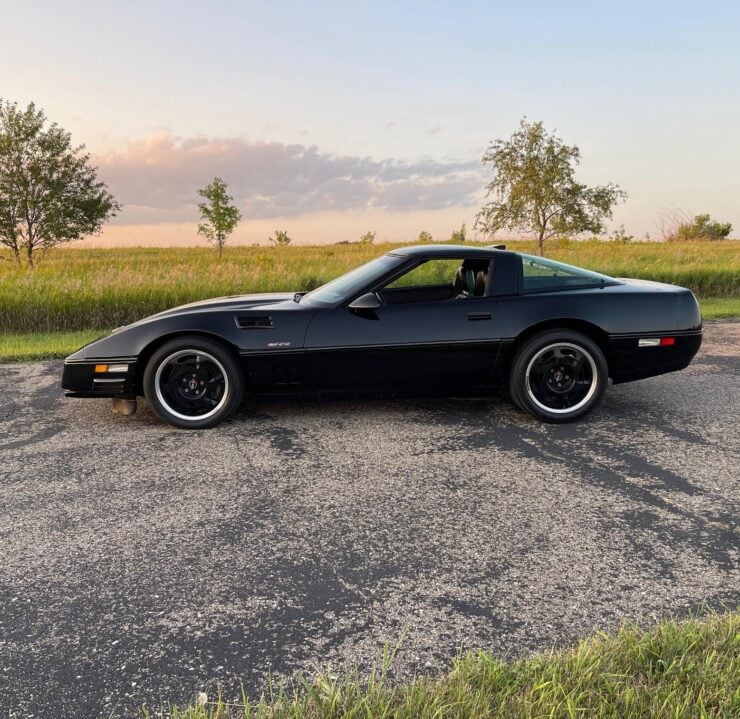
[(369, 301)]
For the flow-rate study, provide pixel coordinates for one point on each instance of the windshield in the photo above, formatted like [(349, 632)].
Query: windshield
[(350, 284), (541, 275)]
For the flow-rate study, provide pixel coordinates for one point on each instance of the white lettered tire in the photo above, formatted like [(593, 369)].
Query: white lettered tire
[(558, 375), (193, 382)]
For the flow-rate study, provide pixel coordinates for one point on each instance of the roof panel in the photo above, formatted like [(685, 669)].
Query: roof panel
[(453, 251)]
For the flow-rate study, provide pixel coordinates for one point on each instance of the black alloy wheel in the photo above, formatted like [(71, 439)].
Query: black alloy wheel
[(193, 382), (558, 375)]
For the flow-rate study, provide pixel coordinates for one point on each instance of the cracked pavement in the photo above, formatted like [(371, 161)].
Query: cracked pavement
[(141, 564)]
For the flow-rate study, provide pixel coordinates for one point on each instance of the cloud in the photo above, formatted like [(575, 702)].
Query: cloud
[(156, 179)]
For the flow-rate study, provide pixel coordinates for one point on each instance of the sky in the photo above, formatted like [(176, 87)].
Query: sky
[(328, 119)]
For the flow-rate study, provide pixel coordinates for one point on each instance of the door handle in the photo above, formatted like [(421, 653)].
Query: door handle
[(473, 316)]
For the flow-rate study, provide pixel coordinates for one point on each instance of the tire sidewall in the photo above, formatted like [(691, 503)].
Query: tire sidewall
[(518, 381), (222, 354)]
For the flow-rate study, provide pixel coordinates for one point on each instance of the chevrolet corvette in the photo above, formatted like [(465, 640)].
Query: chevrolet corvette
[(422, 320)]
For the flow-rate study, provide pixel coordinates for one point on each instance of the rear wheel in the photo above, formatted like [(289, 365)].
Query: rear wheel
[(193, 382), (558, 376)]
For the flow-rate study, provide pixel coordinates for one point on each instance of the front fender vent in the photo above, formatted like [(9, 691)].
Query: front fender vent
[(255, 322)]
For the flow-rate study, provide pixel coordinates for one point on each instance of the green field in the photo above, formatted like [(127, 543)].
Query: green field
[(79, 289), (676, 671)]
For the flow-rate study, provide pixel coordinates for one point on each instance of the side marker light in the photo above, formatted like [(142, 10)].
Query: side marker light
[(103, 368)]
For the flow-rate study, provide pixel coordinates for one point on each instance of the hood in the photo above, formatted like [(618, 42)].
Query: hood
[(236, 302)]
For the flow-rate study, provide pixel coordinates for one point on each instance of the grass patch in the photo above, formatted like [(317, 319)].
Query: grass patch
[(44, 345), (720, 308), (75, 289), (677, 670)]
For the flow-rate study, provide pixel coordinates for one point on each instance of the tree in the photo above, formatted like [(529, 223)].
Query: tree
[(535, 190), (368, 238), (702, 228), (219, 217), (49, 192), (424, 237), (281, 238), (460, 235)]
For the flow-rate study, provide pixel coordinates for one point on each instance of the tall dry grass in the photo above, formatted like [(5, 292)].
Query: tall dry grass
[(76, 289)]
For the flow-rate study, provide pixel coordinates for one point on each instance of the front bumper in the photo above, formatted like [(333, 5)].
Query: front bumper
[(87, 378)]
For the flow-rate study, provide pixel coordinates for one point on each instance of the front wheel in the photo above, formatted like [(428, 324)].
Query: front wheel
[(193, 383), (558, 376)]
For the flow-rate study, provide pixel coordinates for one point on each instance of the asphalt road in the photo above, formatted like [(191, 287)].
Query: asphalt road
[(141, 564)]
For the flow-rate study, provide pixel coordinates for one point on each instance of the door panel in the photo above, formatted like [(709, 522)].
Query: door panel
[(404, 295), (415, 346)]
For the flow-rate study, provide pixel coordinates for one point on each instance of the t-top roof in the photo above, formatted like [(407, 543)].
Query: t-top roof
[(453, 251)]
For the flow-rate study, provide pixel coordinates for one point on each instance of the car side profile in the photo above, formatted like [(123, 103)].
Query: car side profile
[(434, 319)]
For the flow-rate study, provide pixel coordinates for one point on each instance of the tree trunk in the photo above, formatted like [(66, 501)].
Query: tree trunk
[(541, 243), (29, 254)]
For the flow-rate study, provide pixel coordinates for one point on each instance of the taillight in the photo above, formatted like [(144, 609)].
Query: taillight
[(656, 342)]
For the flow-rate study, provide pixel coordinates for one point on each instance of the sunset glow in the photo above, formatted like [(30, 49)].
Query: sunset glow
[(332, 119)]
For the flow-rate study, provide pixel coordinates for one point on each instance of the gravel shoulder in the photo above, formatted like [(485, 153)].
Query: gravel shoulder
[(141, 564)]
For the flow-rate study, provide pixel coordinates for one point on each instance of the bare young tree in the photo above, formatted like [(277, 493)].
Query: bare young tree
[(670, 219)]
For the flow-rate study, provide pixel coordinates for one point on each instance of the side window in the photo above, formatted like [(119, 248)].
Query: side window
[(432, 272), (541, 275), (448, 279)]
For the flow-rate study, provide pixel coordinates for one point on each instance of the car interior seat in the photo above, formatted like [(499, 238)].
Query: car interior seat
[(470, 281), (458, 284), (481, 279)]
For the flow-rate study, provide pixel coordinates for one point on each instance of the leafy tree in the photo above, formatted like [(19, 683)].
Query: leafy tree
[(703, 228), (49, 192), (460, 235), (534, 188), (619, 235), (219, 217), (425, 237), (368, 238), (281, 238)]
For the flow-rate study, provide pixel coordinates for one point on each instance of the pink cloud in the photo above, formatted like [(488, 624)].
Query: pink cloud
[(157, 179)]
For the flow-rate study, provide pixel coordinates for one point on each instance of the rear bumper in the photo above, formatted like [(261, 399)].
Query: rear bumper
[(81, 378), (629, 361)]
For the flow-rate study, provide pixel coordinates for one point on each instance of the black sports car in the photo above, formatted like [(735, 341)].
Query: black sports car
[(421, 319)]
